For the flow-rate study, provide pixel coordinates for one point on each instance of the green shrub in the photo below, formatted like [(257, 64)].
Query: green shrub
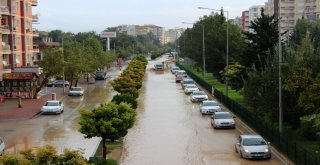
[(125, 97)]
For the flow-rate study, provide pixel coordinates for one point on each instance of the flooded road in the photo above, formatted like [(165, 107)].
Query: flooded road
[(60, 131), (170, 130)]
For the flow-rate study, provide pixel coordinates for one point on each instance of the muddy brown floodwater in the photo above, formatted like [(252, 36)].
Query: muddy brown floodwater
[(171, 131)]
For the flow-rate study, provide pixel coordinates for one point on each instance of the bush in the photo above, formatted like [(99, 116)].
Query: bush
[(125, 97)]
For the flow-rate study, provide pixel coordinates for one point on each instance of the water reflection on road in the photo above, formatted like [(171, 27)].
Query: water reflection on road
[(170, 129), (60, 131)]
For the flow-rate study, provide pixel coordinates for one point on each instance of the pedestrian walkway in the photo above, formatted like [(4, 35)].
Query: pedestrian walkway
[(30, 107)]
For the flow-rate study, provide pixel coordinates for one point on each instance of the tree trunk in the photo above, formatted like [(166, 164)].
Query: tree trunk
[(38, 89), (76, 84), (104, 148)]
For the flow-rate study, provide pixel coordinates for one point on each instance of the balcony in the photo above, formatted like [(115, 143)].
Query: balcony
[(36, 49), (6, 67), (34, 2), (4, 29), (35, 18), (35, 32), (4, 10), (5, 48)]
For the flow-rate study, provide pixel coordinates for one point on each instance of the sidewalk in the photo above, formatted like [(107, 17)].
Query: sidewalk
[(30, 107)]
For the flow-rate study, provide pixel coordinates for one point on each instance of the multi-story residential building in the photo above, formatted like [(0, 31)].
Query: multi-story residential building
[(17, 47), (289, 11), (171, 35), (135, 30), (254, 13), (245, 21)]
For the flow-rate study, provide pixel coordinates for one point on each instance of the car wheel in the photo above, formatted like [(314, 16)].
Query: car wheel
[(241, 156), (235, 148)]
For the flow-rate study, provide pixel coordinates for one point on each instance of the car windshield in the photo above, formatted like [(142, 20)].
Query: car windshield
[(198, 93), (188, 82), (76, 89), (210, 104), (52, 104), (191, 86), (159, 65), (253, 142), (175, 69), (222, 116)]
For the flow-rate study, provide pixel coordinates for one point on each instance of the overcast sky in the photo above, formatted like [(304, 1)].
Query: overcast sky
[(96, 15)]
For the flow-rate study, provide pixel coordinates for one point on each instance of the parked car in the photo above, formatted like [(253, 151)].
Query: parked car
[(100, 75), (189, 88), (186, 81), (58, 83), (159, 66), (52, 107), (222, 120), (181, 72), (253, 146), (76, 91), (174, 69), (209, 107), (2, 146), (198, 96)]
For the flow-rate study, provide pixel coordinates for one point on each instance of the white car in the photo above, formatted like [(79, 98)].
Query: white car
[(189, 88), (2, 146), (186, 81), (209, 107), (52, 107), (198, 96), (76, 91), (183, 73), (222, 120), (253, 146), (174, 69)]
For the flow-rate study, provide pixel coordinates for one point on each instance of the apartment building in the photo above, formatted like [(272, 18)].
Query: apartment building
[(17, 49), (135, 30), (289, 11), (254, 13), (245, 21)]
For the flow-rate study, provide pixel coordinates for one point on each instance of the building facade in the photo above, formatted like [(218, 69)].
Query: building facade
[(17, 49), (254, 13), (245, 21)]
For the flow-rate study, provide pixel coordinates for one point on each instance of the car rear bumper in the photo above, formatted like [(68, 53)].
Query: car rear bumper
[(262, 155)]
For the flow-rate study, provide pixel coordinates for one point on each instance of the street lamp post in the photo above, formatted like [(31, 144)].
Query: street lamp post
[(63, 78), (227, 47)]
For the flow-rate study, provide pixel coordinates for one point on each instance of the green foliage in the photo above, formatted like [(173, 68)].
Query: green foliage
[(14, 160), (130, 81), (110, 121), (44, 155), (260, 45), (123, 97), (235, 75), (310, 126), (52, 62)]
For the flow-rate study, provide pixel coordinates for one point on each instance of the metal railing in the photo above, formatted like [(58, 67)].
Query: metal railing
[(289, 147)]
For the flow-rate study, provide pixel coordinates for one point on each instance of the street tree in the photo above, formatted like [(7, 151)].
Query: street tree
[(51, 67), (260, 44), (109, 121)]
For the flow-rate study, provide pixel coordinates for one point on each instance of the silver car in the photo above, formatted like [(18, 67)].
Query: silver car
[(253, 146), (222, 120), (76, 91), (174, 69), (209, 107), (198, 96), (190, 88)]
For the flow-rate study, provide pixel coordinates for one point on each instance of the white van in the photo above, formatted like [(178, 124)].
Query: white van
[(2, 146)]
